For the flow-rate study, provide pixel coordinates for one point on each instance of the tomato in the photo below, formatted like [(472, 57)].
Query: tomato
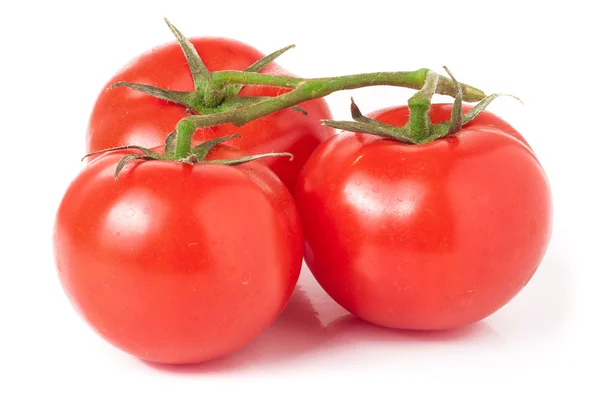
[(429, 236), (177, 263), (122, 116)]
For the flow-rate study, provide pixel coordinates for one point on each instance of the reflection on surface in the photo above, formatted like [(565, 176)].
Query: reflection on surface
[(375, 201), (133, 215)]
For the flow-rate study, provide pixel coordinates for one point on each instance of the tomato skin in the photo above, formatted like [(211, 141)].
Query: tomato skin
[(176, 263), (430, 236), (122, 116)]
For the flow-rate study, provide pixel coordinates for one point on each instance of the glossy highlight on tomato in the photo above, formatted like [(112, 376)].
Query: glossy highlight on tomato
[(428, 236), (177, 263), (122, 116)]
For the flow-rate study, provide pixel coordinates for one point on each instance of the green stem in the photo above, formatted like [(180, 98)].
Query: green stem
[(234, 90), (419, 122), (185, 131), (408, 79), (214, 90), (215, 97), (304, 90), (224, 78)]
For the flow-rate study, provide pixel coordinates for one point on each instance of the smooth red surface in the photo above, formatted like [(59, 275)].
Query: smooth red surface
[(428, 236), (176, 263), (122, 116)]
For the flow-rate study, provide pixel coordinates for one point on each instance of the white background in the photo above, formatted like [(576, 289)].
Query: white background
[(56, 56)]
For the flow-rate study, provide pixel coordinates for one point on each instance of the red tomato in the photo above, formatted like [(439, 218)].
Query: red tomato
[(176, 263), (122, 116), (429, 236)]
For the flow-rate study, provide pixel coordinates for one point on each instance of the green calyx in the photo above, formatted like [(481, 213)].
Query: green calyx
[(208, 96), (419, 128), (195, 154)]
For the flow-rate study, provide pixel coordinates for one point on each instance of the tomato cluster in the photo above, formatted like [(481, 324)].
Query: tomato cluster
[(182, 262)]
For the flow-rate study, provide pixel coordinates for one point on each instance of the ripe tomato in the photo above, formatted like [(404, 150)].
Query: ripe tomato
[(428, 236), (177, 263), (122, 116)]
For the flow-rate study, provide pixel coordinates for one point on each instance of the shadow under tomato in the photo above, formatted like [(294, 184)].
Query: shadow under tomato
[(295, 334), (352, 329)]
